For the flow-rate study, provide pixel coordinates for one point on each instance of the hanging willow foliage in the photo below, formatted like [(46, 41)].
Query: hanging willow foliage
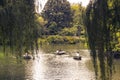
[(102, 22), (17, 25)]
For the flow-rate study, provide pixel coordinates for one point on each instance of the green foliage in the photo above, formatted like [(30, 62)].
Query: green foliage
[(78, 13), (82, 39), (40, 20), (68, 31), (78, 18), (53, 28), (72, 40), (59, 12), (1, 53), (102, 27), (17, 25), (40, 23), (63, 39), (55, 39), (102, 22)]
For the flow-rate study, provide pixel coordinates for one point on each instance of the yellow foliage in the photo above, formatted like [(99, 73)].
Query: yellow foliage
[(40, 19), (75, 7), (118, 34), (110, 4)]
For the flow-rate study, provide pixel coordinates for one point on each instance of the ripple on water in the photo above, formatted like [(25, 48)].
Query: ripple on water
[(55, 67)]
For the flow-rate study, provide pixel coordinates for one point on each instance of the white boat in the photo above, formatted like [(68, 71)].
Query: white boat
[(60, 52), (77, 57)]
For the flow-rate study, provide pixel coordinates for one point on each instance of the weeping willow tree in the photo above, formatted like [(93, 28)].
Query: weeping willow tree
[(102, 22), (17, 25)]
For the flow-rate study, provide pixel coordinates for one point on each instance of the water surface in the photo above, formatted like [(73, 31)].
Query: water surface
[(48, 66)]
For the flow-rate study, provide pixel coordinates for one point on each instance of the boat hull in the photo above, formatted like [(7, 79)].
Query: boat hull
[(60, 52), (27, 57), (77, 57)]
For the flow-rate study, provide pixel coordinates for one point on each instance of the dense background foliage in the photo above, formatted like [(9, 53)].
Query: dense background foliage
[(58, 15)]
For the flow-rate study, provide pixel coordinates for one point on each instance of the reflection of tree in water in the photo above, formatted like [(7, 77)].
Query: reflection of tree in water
[(101, 29)]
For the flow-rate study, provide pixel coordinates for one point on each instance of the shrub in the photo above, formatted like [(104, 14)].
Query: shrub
[(56, 39), (68, 31), (71, 40)]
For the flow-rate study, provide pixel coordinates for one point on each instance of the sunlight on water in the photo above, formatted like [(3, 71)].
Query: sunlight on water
[(55, 67), (48, 66), (37, 70)]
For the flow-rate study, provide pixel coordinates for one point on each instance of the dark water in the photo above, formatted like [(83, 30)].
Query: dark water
[(48, 66)]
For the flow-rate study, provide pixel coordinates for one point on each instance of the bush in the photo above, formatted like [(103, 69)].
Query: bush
[(68, 31), (53, 29), (71, 40), (41, 41), (56, 39), (82, 39)]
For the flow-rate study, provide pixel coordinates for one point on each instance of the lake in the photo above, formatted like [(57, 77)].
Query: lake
[(48, 66)]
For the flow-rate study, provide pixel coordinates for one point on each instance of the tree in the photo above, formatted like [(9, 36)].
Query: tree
[(102, 21), (17, 25), (57, 11), (78, 12)]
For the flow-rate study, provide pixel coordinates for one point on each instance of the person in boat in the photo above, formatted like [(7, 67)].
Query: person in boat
[(58, 51), (27, 55), (77, 54)]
